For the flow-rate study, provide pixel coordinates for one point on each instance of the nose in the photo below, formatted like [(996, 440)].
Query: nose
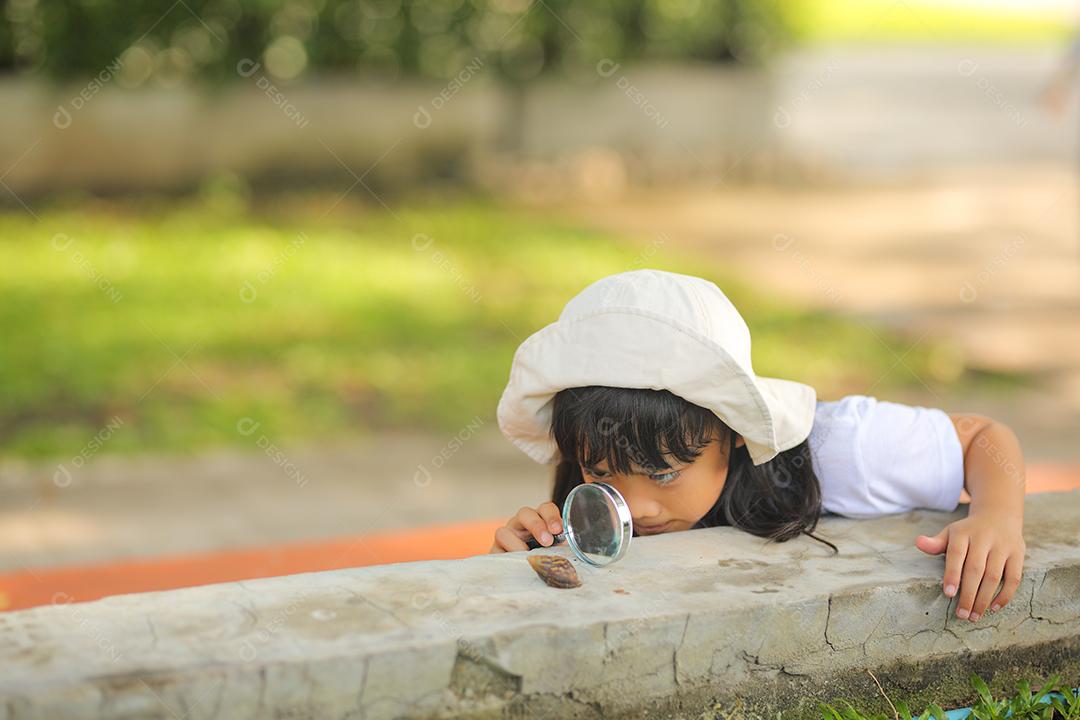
[(643, 509)]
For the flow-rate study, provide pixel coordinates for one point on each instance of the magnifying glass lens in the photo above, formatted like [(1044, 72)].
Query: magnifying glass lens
[(596, 526), (598, 523)]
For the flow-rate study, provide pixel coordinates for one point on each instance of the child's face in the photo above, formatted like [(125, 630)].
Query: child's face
[(669, 500)]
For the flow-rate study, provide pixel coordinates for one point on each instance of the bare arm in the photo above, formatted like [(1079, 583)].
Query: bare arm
[(987, 546), (994, 474)]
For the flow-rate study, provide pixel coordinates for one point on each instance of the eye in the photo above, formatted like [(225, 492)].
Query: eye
[(666, 478), (596, 473)]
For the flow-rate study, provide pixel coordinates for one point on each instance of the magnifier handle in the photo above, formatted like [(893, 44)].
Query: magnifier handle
[(533, 543)]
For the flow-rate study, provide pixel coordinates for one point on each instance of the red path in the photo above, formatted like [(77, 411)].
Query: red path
[(28, 588)]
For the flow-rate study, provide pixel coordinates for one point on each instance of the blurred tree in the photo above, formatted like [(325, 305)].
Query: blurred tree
[(153, 41)]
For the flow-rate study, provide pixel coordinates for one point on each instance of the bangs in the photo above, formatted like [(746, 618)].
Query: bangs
[(631, 429)]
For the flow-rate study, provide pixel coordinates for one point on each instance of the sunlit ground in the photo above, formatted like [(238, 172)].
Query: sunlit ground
[(1009, 22)]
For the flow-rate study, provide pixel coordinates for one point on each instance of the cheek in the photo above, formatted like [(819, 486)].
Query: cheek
[(702, 490), (704, 498)]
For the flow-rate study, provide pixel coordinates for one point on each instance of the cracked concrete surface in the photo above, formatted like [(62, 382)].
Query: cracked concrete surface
[(676, 626)]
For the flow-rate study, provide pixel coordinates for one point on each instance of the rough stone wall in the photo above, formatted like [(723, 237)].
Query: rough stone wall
[(703, 621)]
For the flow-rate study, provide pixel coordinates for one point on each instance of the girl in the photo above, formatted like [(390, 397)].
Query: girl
[(645, 382)]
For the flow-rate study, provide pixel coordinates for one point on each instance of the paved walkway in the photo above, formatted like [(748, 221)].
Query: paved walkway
[(125, 508), (990, 257)]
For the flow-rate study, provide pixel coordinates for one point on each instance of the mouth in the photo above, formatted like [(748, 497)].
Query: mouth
[(652, 529)]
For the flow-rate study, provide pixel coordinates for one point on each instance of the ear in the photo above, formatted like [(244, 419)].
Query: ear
[(739, 442)]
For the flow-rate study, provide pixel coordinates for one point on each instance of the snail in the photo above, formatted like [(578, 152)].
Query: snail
[(555, 571)]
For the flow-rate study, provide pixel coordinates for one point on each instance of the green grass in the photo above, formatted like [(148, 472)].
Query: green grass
[(922, 21), (353, 328), (1053, 701)]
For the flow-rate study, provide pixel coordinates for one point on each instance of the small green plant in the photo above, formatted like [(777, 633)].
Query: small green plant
[(900, 711), (1022, 705), (1070, 708)]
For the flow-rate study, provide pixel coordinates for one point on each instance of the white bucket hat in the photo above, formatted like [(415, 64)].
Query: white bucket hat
[(659, 330)]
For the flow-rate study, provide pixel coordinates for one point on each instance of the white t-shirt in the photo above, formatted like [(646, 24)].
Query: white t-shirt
[(874, 457)]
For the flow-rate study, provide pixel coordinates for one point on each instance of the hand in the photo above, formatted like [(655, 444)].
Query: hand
[(980, 551), (541, 523)]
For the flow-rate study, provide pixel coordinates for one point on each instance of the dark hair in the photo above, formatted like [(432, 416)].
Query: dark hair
[(779, 499)]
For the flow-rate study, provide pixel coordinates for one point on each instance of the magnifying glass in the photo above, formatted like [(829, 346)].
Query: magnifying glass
[(596, 522)]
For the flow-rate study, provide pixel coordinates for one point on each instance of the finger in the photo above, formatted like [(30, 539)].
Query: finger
[(974, 566), (954, 562), (933, 544), (995, 568), (1013, 571), (509, 541), (517, 526), (536, 525), (550, 512)]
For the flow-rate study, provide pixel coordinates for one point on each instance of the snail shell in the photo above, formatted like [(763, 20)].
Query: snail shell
[(555, 571)]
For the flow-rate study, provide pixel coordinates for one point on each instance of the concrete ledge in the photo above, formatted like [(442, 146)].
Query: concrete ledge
[(685, 623)]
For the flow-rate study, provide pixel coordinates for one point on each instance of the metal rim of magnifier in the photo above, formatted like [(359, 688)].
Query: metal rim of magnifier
[(621, 508)]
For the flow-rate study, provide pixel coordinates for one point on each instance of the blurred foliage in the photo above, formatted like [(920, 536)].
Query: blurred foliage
[(135, 42), (387, 39), (180, 318)]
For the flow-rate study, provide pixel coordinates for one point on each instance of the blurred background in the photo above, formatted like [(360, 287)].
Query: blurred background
[(264, 263)]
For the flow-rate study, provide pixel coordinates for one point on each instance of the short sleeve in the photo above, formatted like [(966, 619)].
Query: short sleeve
[(874, 457)]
